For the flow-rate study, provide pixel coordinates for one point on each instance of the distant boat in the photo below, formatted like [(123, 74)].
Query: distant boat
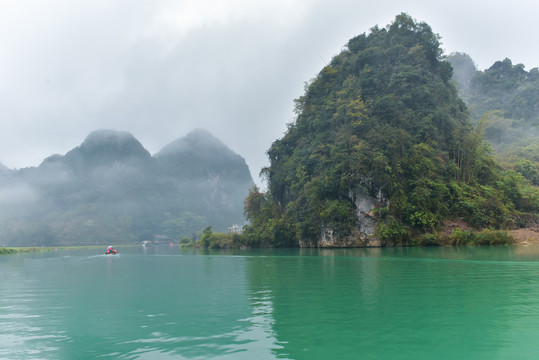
[(111, 251)]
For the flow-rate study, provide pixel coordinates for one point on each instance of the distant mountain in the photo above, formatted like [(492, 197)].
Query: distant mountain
[(105, 148), (111, 190), (202, 154), (504, 103)]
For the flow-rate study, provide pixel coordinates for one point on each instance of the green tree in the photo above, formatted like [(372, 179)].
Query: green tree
[(383, 116)]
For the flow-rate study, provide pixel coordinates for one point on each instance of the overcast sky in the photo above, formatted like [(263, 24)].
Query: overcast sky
[(161, 68)]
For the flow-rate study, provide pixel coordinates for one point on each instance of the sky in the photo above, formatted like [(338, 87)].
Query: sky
[(162, 68)]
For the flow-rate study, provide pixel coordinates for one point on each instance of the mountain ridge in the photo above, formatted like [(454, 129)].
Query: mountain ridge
[(112, 185)]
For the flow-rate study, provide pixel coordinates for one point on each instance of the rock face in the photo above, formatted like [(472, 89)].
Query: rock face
[(110, 188), (364, 234)]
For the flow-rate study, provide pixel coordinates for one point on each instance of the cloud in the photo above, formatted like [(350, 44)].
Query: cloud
[(18, 194), (160, 69)]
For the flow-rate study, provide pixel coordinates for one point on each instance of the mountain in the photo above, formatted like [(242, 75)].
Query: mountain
[(504, 103), (382, 152), (204, 155), (111, 190), (206, 176)]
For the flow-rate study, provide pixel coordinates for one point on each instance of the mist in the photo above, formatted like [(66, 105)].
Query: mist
[(111, 190), (159, 70)]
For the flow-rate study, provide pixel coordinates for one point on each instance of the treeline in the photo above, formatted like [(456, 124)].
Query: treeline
[(210, 239), (504, 101)]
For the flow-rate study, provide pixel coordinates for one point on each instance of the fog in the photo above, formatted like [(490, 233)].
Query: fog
[(159, 69), (17, 194), (110, 189)]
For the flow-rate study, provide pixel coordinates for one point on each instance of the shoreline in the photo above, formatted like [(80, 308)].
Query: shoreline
[(523, 236), (11, 250)]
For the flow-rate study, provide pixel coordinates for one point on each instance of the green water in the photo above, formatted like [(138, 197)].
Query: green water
[(163, 303)]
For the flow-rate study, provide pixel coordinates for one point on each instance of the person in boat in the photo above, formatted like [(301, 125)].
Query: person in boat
[(111, 250)]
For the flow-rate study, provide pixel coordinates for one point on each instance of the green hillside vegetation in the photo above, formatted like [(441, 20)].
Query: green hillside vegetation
[(504, 100), (385, 120)]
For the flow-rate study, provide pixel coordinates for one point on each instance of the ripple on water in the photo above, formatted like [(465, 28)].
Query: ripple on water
[(442, 304)]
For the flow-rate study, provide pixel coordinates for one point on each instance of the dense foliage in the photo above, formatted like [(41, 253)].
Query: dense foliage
[(383, 117), (219, 240), (506, 98)]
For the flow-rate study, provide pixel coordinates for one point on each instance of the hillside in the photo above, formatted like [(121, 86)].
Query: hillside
[(382, 152), (504, 102), (111, 190)]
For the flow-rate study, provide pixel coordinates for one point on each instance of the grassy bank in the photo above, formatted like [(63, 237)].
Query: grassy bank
[(20, 250)]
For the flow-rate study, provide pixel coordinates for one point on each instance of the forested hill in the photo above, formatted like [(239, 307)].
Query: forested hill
[(382, 151), (504, 103), (111, 190)]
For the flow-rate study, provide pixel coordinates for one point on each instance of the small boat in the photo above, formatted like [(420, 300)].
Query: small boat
[(111, 251)]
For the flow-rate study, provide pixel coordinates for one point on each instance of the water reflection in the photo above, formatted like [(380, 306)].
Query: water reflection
[(396, 303), (261, 342), (401, 303)]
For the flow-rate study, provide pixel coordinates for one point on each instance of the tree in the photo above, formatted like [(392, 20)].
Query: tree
[(383, 116)]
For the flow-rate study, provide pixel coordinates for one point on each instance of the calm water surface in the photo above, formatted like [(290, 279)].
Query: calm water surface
[(163, 303)]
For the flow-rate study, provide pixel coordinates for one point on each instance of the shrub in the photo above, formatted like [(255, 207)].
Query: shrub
[(392, 231), (425, 240), (186, 242), (485, 237), (214, 240)]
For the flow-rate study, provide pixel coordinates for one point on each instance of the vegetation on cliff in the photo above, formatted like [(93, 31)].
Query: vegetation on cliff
[(505, 100), (385, 120)]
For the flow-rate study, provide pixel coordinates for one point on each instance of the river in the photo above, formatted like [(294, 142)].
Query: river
[(167, 303)]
